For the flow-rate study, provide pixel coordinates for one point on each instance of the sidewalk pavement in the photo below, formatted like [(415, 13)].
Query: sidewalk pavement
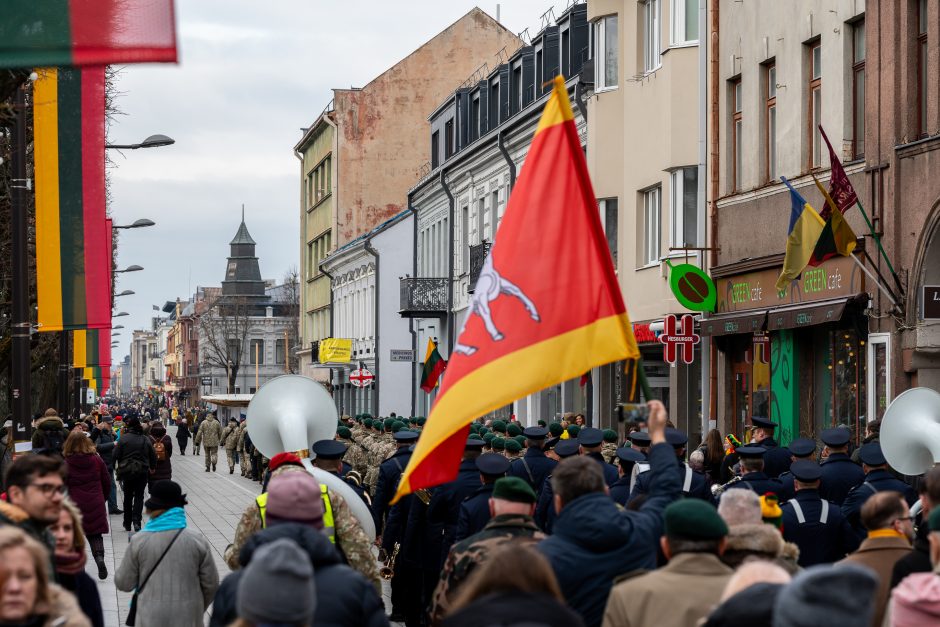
[(216, 502)]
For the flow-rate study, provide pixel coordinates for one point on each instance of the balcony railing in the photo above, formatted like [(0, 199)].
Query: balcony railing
[(423, 297), (478, 255)]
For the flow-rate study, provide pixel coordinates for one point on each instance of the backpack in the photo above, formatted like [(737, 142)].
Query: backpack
[(131, 466), (159, 448)]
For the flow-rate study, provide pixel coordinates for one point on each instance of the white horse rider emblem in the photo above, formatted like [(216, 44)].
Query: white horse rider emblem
[(488, 288)]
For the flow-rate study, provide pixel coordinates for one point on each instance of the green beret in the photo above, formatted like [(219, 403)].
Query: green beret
[(421, 420), (483, 430), (513, 429), (499, 426), (388, 423), (489, 436), (934, 519), (555, 429), (498, 444), (541, 423), (573, 430), (367, 422), (344, 433), (513, 489), (474, 427), (693, 519), (610, 436), (413, 420), (366, 415), (397, 425), (520, 439), (512, 446)]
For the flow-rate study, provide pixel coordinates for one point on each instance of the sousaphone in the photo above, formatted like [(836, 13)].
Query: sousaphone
[(910, 431), (291, 412)]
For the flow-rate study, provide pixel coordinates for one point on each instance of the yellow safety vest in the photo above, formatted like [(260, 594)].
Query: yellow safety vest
[(328, 527)]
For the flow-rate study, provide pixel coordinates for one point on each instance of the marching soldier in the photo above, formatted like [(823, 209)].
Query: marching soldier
[(475, 509), (801, 448), (513, 449), (877, 479), (753, 476), (591, 441), (329, 457), (814, 524), (545, 509), (243, 454), (626, 458), (534, 466), (694, 483), (777, 458), (389, 473), (640, 440), (839, 473), (609, 449), (229, 441)]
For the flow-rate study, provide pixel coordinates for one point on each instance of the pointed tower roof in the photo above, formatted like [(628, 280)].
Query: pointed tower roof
[(242, 236)]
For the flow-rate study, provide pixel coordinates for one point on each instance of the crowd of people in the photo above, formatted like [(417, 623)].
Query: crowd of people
[(582, 528)]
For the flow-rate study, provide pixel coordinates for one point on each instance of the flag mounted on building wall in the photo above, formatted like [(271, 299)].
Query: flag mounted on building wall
[(805, 228), (72, 263), (434, 367), (543, 311), (837, 237), (86, 32), (840, 188)]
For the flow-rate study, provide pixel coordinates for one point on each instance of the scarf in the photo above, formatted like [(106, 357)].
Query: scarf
[(70, 563), (174, 518), (886, 533)]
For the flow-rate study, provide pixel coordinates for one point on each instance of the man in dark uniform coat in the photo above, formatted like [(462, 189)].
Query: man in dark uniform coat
[(390, 472), (640, 440), (545, 509), (693, 482), (877, 479), (444, 506), (329, 457), (801, 448), (475, 509), (813, 523), (626, 458), (591, 441), (777, 458), (534, 466), (753, 476), (839, 473)]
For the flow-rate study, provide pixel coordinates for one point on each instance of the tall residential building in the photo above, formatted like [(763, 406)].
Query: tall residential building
[(366, 149)]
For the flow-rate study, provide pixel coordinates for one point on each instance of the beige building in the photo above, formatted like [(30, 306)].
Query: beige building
[(643, 156), (368, 147)]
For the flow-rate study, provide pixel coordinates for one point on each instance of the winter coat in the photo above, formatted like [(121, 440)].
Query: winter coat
[(880, 555), (89, 484), (134, 445), (182, 433), (86, 593), (916, 601), (105, 442), (164, 468), (49, 426), (209, 433), (344, 597), (181, 588), (917, 561), (514, 608), (63, 610), (6, 458), (594, 542), (761, 541), (242, 429), (229, 438)]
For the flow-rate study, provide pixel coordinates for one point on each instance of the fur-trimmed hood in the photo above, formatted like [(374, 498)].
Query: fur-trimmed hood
[(12, 513), (63, 610), (761, 541), (50, 422)]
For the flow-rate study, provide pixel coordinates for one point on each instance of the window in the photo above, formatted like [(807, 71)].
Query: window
[(606, 50), (492, 120), (280, 351), (651, 226), (481, 212), (770, 119), (858, 89), (321, 185), (565, 51), (494, 214), (815, 105), (922, 67), (465, 236), (516, 87), (475, 117), (684, 21), (879, 374), (448, 138), (311, 258), (737, 139), (651, 35), (256, 352), (683, 204), (435, 149), (610, 216), (234, 351)]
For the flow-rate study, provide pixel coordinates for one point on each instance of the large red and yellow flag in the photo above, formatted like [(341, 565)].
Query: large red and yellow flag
[(72, 252), (547, 306)]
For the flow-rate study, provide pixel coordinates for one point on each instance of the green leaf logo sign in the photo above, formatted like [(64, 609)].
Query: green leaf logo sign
[(692, 287)]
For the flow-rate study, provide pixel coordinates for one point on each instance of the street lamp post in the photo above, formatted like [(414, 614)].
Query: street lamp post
[(126, 293), (137, 224), (20, 322), (133, 268), (154, 141)]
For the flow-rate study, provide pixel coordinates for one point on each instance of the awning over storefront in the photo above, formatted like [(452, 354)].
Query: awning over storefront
[(228, 400), (797, 316), (727, 324)]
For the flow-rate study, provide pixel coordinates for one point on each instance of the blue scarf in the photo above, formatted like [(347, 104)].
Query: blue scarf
[(174, 518)]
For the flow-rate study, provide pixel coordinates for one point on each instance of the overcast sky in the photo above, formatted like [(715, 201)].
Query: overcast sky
[(251, 74)]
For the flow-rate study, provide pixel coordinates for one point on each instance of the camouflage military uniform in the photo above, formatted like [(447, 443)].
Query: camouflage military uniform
[(466, 555), (209, 435), (350, 538), (243, 460), (609, 452)]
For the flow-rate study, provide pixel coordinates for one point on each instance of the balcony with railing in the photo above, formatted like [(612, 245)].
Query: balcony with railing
[(423, 297), (478, 255)]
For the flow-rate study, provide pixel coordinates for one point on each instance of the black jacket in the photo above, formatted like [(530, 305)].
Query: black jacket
[(917, 561), (503, 609), (104, 443), (344, 597), (776, 459), (533, 467), (134, 445)]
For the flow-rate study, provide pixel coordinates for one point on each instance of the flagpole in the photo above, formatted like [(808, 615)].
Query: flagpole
[(877, 239), (872, 277)]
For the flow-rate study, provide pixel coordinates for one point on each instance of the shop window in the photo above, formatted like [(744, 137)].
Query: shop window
[(879, 375), (839, 380)]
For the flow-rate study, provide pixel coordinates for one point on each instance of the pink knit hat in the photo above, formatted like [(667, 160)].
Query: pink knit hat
[(916, 601), (295, 497)]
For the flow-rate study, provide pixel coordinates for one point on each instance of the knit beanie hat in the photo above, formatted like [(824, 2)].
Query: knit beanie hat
[(916, 601), (277, 585), (295, 497), (752, 606), (827, 595), (770, 510)]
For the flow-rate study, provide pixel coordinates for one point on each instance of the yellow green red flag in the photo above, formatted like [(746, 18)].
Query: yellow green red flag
[(805, 228), (543, 311)]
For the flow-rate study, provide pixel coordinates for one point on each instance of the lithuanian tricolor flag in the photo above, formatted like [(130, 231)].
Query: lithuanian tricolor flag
[(86, 32), (544, 310), (434, 367), (72, 264), (805, 228), (91, 348)]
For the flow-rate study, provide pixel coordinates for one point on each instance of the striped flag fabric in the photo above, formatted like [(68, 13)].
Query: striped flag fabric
[(837, 237), (72, 264), (434, 367), (86, 32), (840, 187), (543, 311), (805, 228)]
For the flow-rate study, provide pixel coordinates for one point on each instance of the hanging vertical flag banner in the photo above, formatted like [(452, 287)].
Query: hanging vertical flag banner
[(73, 282), (837, 237), (543, 311), (434, 367), (805, 228)]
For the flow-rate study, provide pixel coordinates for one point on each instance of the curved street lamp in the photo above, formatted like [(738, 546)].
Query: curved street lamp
[(136, 224), (134, 268), (119, 314), (125, 293), (154, 141), (119, 326)]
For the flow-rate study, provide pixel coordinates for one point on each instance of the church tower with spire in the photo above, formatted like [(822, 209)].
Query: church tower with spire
[(242, 273)]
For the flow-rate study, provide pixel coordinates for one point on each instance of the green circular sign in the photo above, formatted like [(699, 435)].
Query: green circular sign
[(693, 288)]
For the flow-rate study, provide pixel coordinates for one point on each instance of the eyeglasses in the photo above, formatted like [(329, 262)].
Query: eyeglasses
[(48, 489), (905, 518)]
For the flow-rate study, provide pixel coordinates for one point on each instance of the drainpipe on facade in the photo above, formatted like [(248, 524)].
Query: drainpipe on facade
[(713, 73), (450, 262), (411, 321), (330, 277), (378, 294), (500, 143), (701, 210)]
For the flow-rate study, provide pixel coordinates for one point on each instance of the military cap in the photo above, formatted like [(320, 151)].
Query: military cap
[(805, 470), (520, 439), (535, 433), (474, 427), (551, 442), (498, 444), (589, 436), (513, 446), (367, 422), (627, 454), (574, 430), (751, 452), (483, 430), (499, 426), (474, 443), (764, 423), (488, 437), (516, 490), (566, 448), (421, 421), (640, 438), (693, 518), (492, 464), (871, 454), (413, 420), (344, 432), (397, 426), (610, 435), (328, 449), (835, 437), (802, 447), (513, 429), (933, 521), (675, 438), (555, 429), (405, 436), (367, 415), (388, 423)]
